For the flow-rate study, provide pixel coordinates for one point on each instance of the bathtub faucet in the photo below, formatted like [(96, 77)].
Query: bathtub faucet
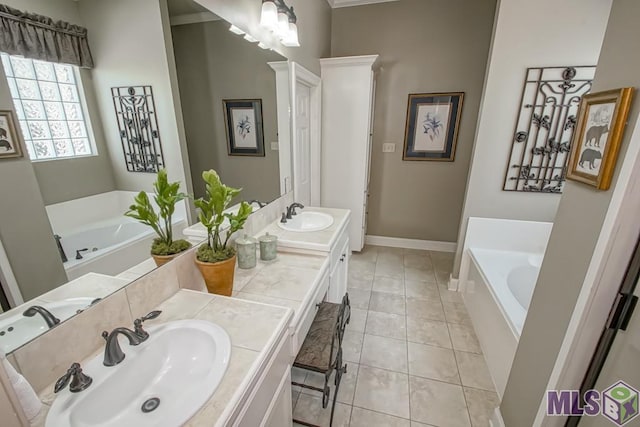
[(48, 317), (78, 255), (60, 248)]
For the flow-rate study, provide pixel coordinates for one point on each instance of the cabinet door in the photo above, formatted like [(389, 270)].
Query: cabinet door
[(280, 413), (340, 275)]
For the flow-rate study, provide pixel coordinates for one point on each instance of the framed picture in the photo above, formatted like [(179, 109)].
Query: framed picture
[(9, 142), (431, 130), (601, 121), (243, 119)]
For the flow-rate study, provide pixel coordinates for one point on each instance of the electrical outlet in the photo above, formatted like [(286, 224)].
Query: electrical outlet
[(388, 147), (274, 146)]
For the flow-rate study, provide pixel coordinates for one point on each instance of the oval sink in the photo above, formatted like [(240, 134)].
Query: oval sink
[(17, 329), (308, 221), (171, 375)]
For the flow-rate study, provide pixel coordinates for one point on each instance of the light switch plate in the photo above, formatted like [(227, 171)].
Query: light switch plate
[(388, 147), (274, 146)]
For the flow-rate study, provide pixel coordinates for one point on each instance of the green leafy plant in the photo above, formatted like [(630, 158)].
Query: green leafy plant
[(167, 194), (212, 215)]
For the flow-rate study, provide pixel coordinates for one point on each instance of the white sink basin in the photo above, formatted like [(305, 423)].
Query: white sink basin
[(308, 221), (19, 329), (181, 364)]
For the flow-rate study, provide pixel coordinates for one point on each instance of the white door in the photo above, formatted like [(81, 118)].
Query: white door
[(302, 145)]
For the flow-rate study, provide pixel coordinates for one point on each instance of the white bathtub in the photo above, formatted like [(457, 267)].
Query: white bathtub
[(115, 243), (500, 263)]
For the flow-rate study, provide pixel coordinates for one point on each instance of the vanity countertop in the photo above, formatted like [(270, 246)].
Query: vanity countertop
[(314, 240), (290, 280), (254, 328)]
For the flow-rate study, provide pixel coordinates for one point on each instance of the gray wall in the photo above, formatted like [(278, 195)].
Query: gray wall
[(69, 179), (577, 225), (424, 46), (25, 231), (214, 64)]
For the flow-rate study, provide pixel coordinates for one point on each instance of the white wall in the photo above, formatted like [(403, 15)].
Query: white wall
[(569, 33), (127, 41)]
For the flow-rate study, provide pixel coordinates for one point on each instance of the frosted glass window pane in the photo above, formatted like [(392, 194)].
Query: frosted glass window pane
[(33, 110), (39, 130), (44, 71), (22, 67), (73, 111), (64, 147), (44, 149), (6, 64), (59, 129), (64, 73), (82, 146), (13, 88), (77, 129), (54, 110), (69, 93), (28, 89), (49, 91)]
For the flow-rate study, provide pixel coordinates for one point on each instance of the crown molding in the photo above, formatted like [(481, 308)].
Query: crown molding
[(193, 18)]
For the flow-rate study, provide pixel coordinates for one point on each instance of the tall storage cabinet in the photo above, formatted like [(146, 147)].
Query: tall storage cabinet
[(348, 94)]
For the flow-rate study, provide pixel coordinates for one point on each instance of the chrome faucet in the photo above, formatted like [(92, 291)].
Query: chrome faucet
[(79, 381), (60, 248), (48, 317), (291, 210), (113, 354)]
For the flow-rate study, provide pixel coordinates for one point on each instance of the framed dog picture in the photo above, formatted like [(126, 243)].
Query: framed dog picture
[(599, 129), (431, 131), (9, 142), (243, 119)]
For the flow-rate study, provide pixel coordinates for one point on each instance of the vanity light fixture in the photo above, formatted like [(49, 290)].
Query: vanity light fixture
[(280, 19), (263, 46), (236, 30), (248, 37)]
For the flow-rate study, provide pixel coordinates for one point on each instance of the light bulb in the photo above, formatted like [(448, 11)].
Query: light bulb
[(283, 23), (291, 39), (269, 15)]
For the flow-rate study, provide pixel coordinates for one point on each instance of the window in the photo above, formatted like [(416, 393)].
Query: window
[(49, 107)]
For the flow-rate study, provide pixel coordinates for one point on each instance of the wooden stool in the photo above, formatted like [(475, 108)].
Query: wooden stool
[(321, 350)]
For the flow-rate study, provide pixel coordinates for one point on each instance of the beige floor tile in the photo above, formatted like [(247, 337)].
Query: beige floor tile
[(385, 353), (309, 409), (425, 308), (473, 371), (359, 283), (388, 284), (420, 261), (390, 269), (386, 325), (411, 273), (347, 384), (387, 303), (417, 288), (442, 256), (428, 332), (358, 320), (368, 253), (417, 424), (481, 404), (438, 403), (442, 277), (298, 375), (456, 313), (361, 269), (294, 397), (463, 338), (359, 298), (449, 296), (352, 346), (443, 264), (433, 362), (390, 255), (365, 418), (382, 391)]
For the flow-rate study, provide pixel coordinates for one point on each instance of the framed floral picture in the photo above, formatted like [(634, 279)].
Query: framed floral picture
[(9, 142), (243, 119), (431, 131), (599, 129)]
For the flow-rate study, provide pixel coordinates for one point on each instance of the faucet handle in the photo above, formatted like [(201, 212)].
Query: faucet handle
[(154, 314), (79, 380), (284, 218), (139, 331)]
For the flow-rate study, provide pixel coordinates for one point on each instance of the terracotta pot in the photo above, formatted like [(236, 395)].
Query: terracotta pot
[(163, 259), (218, 275)]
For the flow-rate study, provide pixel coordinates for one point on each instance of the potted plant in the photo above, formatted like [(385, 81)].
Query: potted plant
[(215, 258), (163, 248)]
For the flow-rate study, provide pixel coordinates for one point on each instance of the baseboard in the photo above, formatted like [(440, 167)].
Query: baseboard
[(397, 242), (496, 419), (453, 283)]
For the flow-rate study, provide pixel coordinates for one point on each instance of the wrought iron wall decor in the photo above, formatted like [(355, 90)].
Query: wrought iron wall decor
[(544, 128), (138, 126)]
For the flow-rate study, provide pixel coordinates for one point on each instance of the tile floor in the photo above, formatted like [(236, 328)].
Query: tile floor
[(412, 355)]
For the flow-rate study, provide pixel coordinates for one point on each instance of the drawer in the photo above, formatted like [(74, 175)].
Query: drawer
[(336, 249), (307, 317)]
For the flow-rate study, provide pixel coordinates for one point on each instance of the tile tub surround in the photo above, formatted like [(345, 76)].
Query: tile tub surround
[(426, 370), (254, 329)]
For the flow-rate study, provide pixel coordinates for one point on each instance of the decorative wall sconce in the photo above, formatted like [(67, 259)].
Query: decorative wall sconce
[(278, 17)]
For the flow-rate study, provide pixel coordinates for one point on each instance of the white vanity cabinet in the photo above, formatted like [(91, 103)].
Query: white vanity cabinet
[(340, 254), (348, 92)]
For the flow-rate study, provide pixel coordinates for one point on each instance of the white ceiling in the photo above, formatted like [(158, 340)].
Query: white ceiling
[(348, 3)]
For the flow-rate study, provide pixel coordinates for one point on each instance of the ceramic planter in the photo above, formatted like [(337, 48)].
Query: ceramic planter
[(218, 275), (163, 259)]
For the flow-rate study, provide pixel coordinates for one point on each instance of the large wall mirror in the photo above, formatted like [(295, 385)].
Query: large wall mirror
[(227, 93)]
